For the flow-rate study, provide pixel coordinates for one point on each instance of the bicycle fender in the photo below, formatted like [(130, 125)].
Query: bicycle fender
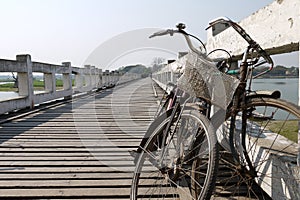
[(274, 94)]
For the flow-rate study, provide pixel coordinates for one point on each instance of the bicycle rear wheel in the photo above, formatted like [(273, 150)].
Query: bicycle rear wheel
[(179, 163), (267, 153)]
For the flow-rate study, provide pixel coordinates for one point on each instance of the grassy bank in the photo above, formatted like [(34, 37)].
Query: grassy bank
[(37, 84), (288, 129)]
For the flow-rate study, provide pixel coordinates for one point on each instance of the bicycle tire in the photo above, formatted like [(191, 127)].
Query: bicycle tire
[(151, 129), (175, 176), (265, 143)]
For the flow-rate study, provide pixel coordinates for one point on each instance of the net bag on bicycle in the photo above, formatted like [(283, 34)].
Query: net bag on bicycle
[(201, 78)]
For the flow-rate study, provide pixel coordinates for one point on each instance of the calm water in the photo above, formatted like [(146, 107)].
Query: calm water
[(287, 87), (7, 95)]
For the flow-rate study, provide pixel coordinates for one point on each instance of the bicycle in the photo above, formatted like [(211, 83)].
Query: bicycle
[(177, 115), (248, 116)]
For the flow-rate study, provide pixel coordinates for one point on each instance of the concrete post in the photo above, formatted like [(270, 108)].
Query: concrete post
[(110, 75), (25, 80), (93, 76), (103, 78), (67, 81), (113, 74), (78, 80), (106, 79), (87, 75), (50, 82), (99, 75)]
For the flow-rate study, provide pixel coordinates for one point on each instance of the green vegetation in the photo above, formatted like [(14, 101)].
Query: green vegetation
[(139, 69), (279, 72), (37, 84), (8, 87), (288, 129)]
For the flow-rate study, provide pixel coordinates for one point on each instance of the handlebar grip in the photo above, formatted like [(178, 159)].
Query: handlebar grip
[(161, 33)]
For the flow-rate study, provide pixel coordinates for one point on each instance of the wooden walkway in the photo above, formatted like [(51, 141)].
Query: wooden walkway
[(76, 150)]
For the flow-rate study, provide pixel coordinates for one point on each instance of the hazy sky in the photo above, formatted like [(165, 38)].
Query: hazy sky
[(70, 30)]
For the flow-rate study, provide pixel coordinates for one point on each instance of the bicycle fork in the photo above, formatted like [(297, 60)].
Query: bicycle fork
[(239, 101)]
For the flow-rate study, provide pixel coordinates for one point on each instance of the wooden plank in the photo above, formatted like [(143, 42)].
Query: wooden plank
[(89, 145), (61, 131), (37, 184), (64, 142), (65, 192), (98, 162), (77, 123), (44, 155), (66, 155), (70, 137), (67, 169), (62, 149), (68, 176), (66, 158)]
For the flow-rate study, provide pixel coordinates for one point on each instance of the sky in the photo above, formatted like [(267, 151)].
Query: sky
[(55, 31)]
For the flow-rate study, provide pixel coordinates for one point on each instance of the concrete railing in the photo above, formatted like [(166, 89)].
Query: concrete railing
[(169, 73), (86, 79), (276, 28)]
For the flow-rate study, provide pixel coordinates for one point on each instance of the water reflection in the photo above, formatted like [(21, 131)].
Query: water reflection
[(288, 87), (8, 95)]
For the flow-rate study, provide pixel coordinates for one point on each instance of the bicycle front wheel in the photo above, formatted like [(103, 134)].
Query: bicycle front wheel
[(179, 163), (267, 152)]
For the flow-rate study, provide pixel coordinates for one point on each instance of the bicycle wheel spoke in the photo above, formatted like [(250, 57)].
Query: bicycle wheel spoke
[(178, 161), (269, 126)]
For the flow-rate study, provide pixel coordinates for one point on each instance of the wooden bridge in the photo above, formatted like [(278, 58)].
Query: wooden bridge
[(76, 148), (72, 142)]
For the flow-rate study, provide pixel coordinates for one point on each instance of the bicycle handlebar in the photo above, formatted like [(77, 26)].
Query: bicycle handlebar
[(185, 34), (242, 32), (222, 20)]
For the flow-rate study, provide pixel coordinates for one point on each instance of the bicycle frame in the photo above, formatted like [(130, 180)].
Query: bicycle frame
[(177, 100), (240, 96), (239, 101)]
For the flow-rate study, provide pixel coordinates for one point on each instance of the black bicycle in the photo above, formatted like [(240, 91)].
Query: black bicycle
[(179, 157)]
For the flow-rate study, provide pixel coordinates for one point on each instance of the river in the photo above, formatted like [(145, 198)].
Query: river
[(7, 95), (288, 87)]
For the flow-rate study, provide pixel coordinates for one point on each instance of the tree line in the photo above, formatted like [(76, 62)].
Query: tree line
[(278, 71)]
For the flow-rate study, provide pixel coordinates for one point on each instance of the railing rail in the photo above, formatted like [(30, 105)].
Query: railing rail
[(86, 79)]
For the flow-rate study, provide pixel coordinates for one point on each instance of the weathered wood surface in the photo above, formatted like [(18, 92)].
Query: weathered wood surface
[(77, 150)]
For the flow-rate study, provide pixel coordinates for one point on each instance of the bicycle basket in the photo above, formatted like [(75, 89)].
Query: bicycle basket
[(201, 78)]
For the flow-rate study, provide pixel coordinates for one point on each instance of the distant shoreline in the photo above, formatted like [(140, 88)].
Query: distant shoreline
[(278, 77)]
